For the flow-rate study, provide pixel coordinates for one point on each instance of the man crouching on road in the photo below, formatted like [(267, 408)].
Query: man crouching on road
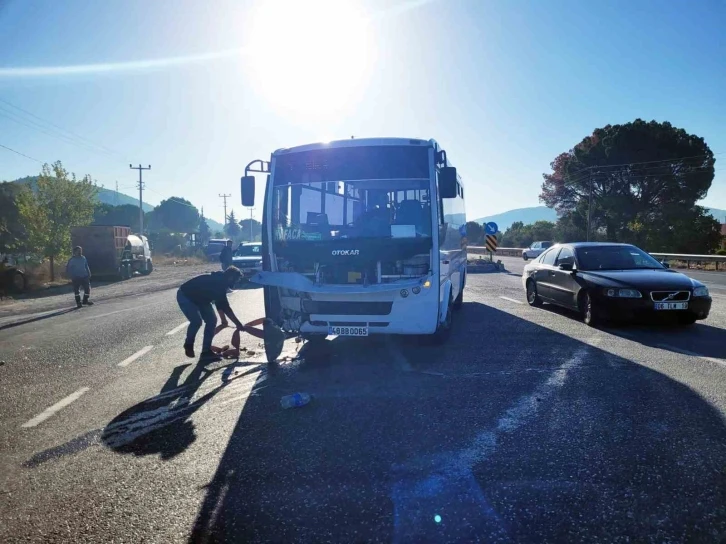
[(195, 299), (77, 269)]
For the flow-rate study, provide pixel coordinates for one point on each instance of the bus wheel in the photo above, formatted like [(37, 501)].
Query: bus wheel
[(444, 329)]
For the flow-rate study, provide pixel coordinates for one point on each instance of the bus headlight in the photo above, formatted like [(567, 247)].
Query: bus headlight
[(416, 290), (404, 293)]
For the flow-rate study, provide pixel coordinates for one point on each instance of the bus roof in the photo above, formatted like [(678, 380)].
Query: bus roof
[(357, 142)]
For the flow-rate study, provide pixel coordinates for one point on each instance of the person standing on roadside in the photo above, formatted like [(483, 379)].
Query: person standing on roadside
[(195, 298), (77, 269), (226, 256)]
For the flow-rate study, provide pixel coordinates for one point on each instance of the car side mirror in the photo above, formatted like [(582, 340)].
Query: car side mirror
[(248, 191), (566, 266), (447, 182)]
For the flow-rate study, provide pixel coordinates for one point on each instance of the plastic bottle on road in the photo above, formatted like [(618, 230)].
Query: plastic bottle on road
[(295, 400)]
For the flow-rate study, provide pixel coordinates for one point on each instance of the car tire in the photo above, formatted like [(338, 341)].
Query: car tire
[(525, 257), (149, 268), (533, 299), (687, 319), (589, 313)]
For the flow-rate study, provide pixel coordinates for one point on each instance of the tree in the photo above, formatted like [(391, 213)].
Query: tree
[(12, 230), (643, 176), (204, 233), (60, 201), (126, 214), (218, 234), (232, 228), (245, 229), (177, 215), (474, 233), (520, 235)]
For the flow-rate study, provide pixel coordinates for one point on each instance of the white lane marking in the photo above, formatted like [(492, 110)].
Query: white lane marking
[(143, 351), (99, 316), (691, 353), (512, 300), (57, 407), (177, 329)]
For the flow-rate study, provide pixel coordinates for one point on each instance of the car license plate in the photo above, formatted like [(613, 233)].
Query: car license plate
[(348, 331), (671, 305)]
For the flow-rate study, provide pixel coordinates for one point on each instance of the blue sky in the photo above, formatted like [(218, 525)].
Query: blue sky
[(504, 86)]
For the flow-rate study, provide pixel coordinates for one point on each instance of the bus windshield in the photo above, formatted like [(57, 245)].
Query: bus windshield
[(374, 192)]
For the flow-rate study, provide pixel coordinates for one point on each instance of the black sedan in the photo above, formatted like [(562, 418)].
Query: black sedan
[(603, 281)]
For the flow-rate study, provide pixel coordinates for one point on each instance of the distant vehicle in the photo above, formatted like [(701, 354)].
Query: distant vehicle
[(248, 258), (361, 237), (112, 251), (535, 250), (602, 281), (12, 279), (214, 248)]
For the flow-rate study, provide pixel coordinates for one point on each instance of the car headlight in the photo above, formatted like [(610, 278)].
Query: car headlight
[(700, 291), (623, 293)]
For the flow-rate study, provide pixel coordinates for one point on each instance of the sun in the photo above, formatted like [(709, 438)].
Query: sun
[(309, 58)]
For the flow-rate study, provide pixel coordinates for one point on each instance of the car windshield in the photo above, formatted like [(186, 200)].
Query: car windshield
[(615, 258), (247, 251), (352, 193)]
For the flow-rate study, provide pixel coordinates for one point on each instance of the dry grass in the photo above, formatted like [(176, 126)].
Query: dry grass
[(38, 277)]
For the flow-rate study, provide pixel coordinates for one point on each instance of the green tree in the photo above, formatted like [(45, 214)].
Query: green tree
[(218, 234), (204, 233), (474, 233), (245, 229), (643, 176), (232, 228), (126, 214), (60, 201), (12, 231), (177, 215)]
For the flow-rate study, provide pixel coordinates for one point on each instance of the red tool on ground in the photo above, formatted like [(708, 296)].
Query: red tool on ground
[(272, 335)]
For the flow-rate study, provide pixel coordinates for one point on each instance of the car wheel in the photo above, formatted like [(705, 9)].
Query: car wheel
[(524, 256), (533, 298), (687, 319), (589, 313)]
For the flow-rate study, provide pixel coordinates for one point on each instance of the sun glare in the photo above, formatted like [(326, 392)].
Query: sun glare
[(309, 58)]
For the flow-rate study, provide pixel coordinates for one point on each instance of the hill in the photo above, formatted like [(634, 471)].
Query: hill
[(543, 213), (105, 196), (525, 215)]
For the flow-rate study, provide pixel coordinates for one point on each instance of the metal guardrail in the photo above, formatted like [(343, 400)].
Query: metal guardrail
[(689, 258), (683, 257), (501, 251)]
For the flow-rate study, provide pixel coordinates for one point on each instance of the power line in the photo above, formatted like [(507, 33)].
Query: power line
[(674, 159), (44, 130), (57, 127), (21, 154)]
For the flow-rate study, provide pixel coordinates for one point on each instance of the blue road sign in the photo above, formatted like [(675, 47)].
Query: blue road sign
[(492, 228)]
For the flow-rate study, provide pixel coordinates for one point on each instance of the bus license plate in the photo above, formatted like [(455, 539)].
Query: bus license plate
[(348, 331), (671, 305)]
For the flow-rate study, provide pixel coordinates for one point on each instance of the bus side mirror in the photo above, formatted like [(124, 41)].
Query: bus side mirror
[(447, 182), (248, 191)]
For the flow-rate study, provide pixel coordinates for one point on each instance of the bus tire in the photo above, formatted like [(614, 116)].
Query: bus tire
[(459, 302), (443, 330)]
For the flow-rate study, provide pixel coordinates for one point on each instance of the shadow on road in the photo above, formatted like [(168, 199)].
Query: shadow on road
[(510, 432), (161, 424), (33, 319), (700, 339)]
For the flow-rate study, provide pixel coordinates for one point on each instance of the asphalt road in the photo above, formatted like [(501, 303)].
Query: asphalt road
[(527, 427)]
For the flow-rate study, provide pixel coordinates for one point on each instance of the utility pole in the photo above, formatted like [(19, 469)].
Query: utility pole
[(141, 194), (251, 210), (225, 197), (115, 198), (589, 209)]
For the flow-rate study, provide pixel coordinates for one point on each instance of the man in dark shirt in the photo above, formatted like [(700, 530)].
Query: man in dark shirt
[(195, 299), (226, 256)]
